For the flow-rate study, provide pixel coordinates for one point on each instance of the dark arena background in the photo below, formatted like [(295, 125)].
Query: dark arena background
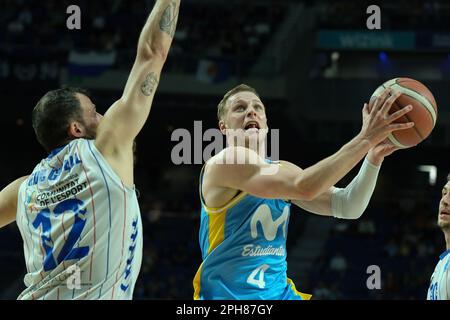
[(314, 64)]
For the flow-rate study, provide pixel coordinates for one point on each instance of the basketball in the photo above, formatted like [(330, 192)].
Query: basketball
[(424, 113)]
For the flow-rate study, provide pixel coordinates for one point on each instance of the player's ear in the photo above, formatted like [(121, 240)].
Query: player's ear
[(222, 126), (76, 130)]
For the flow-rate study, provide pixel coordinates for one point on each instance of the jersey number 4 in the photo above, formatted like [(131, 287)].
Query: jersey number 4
[(68, 252), (258, 272)]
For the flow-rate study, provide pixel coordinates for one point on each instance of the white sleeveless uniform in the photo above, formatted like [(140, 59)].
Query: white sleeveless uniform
[(81, 228), (440, 280)]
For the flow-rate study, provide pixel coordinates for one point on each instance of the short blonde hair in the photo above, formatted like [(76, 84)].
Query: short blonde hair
[(221, 108)]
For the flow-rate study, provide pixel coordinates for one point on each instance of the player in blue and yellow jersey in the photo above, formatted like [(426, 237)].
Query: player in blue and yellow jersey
[(246, 199)]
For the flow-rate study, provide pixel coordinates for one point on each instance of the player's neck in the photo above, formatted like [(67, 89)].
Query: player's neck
[(257, 149), (447, 238)]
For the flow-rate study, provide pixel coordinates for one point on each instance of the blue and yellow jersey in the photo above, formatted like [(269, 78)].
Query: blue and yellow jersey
[(243, 248)]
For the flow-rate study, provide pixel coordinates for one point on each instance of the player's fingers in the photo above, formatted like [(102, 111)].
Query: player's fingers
[(388, 103), (400, 113), (365, 109), (381, 98), (401, 126)]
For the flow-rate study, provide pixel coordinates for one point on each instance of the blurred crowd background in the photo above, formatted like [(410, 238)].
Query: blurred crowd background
[(314, 63)]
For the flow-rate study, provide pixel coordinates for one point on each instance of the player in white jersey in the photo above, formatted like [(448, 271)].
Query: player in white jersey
[(440, 280), (78, 212)]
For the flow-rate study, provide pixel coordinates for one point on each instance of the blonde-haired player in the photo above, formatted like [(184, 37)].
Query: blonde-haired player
[(440, 280), (246, 204)]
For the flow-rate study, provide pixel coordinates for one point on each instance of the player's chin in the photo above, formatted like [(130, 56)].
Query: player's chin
[(250, 134), (444, 221), (256, 134), (254, 139)]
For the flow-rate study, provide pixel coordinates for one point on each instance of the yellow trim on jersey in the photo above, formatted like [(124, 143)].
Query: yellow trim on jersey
[(230, 204), (196, 283), (216, 235), (216, 229), (304, 296)]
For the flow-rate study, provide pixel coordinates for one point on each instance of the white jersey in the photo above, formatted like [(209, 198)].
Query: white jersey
[(440, 280), (81, 228)]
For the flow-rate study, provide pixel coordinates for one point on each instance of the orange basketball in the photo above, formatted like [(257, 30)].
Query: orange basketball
[(424, 113)]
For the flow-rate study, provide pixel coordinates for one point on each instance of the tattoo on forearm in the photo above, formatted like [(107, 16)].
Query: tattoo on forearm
[(149, 85), (169, 19)]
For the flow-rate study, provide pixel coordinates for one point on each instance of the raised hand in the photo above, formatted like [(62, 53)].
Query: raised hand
[(378, 123), (377, 154)]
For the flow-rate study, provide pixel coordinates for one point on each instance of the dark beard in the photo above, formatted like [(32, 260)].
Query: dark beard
[(91, 133)]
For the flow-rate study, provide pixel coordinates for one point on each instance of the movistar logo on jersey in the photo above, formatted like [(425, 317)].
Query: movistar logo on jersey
[(263, 216)]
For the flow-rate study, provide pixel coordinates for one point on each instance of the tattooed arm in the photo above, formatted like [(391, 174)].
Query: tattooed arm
[(126, 117)]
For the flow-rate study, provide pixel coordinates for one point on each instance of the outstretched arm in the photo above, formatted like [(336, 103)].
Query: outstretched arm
[(126, 117), (289, 181), (8, 202), (123, 121), (351, 202)]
